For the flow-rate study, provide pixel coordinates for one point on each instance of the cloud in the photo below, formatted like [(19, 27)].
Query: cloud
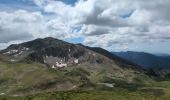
[(39, 2), (18, 25), (100, 22), (23, 25), (92, 30)]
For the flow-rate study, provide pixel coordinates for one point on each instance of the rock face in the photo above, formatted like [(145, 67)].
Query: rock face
[(57, 54)]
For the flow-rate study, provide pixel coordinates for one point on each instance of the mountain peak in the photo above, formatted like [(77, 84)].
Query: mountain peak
[(51, 39), (54, 52)]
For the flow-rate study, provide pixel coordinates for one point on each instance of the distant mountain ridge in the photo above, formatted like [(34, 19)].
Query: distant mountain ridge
[(146, 60)]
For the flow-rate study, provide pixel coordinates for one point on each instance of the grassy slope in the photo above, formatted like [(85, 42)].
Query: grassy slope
[(89, 95), (164, 85), (23, 79), (20, 78)]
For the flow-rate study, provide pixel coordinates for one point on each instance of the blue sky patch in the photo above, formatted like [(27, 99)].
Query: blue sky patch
[(71, 2), (127, 14), (75, 40)]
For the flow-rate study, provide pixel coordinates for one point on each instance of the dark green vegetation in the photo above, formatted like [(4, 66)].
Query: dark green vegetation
[(89, 95), (98, 76)]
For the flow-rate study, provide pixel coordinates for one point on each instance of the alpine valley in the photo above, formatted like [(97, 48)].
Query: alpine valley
[(52, 69)]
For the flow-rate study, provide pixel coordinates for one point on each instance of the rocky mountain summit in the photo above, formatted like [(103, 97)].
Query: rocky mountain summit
[(57, 54)]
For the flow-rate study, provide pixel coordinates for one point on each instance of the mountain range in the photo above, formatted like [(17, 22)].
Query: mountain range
[(50, 64), (42, 68), (146, 60)]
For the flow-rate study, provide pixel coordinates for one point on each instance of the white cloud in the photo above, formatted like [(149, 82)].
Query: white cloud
[(40, 2), (24, 25), (19, 25), (100, 22)]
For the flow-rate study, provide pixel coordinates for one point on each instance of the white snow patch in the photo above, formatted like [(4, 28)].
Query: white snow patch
[(11, 51), (45, 61), (107, 84), (60, 65), (7, 53), (2, 93), (76, 61), (12, 60), (20, 52), (53, 67), (25, 49)]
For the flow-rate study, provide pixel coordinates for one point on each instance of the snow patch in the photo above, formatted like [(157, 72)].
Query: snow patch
[(76, 61), (25, 49), (11, 52), (53, 67), (60, 65), (12, 60), (2, 93), (107, 84), (20, 53)]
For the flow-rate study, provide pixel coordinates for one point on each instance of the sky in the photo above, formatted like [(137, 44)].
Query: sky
[(115, 25)]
